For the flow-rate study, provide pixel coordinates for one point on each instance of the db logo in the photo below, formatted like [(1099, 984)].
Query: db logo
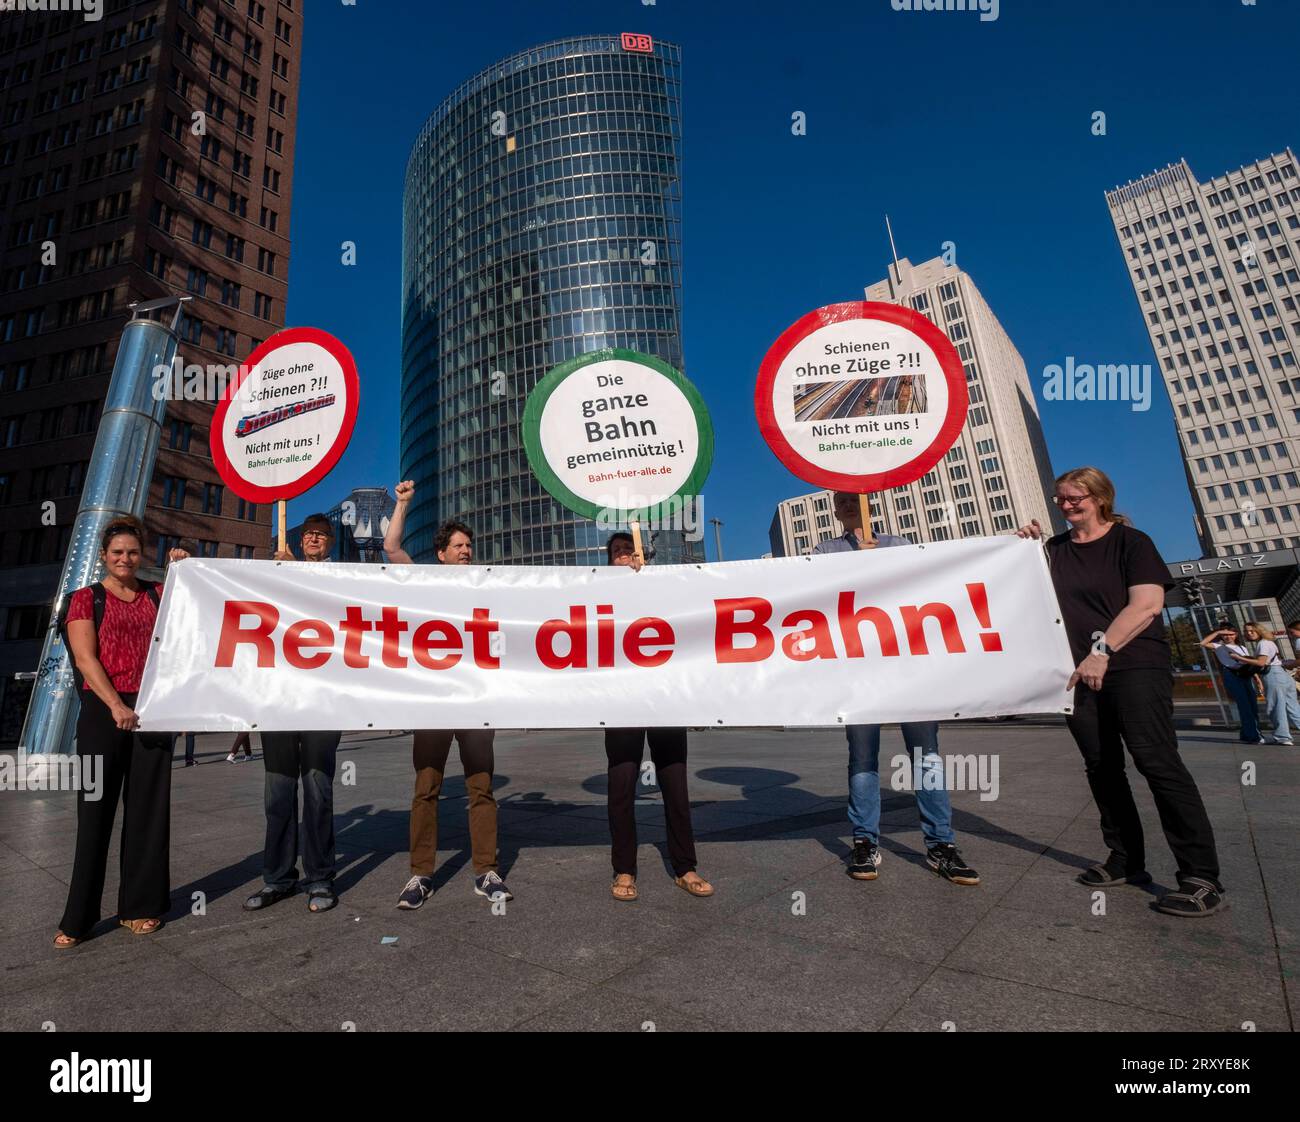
[(642, 43)]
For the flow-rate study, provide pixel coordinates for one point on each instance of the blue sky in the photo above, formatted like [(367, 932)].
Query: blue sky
[(973, 132)]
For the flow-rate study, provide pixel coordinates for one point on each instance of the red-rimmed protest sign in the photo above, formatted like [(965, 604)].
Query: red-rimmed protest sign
[(286, 418), (861, 396)]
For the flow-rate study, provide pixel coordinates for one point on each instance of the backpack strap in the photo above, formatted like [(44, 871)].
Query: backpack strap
[(99, 594)]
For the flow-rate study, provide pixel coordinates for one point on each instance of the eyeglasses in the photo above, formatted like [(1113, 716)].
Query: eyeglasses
[(315, 534), (1070, 500)]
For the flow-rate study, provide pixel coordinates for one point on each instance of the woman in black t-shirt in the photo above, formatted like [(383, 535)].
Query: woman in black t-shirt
[(1111, 581)]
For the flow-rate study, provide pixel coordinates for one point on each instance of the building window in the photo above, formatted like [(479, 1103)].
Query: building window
[(174, 492)]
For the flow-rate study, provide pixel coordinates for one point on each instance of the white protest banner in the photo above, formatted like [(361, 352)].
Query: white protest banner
[(959, 629)]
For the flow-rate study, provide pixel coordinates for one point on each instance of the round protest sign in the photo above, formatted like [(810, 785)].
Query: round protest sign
[(617, 433), (861, 396), (287, 418)]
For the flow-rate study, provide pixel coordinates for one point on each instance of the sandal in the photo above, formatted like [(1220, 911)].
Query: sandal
[(1099, 876), (321, 899), (697, 887), (624, 887), (141, 926), (1195, 897), (63, 942), (265, 897)]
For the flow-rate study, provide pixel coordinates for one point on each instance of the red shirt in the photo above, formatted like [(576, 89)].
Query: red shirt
[(123, 636)]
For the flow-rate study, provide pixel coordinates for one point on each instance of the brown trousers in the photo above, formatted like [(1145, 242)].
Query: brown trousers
[(430, 751)]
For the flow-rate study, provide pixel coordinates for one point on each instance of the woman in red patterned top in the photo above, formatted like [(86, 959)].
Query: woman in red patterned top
[(133, 765)]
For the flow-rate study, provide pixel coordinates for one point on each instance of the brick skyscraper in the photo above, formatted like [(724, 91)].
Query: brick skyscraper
[(146, 154)]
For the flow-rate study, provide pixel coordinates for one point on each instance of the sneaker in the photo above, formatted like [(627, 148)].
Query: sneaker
[(865, 860), (416, 892), (946, 861), (1284, 743), (232, 758), (492, 886)]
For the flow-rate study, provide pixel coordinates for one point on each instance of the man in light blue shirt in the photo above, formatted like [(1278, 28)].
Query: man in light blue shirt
[(864, 752)]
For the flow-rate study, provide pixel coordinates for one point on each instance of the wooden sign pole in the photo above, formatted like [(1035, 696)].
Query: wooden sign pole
[(636, 540), (282, 505), (864, 508)]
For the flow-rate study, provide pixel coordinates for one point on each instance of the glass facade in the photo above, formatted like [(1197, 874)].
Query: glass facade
[(542, 220)]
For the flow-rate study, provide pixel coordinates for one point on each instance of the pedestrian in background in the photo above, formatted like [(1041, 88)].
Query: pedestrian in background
[(1279, 689), (1238, 679)]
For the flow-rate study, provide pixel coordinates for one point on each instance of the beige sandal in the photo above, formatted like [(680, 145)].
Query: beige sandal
[(624, 887), (141, 926), (697, 887), (63, 942)]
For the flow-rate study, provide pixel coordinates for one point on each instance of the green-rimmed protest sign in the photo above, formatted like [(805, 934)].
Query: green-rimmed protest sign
[(615, 435)]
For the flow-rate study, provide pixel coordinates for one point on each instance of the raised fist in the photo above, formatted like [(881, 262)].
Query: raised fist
[(405, 490)]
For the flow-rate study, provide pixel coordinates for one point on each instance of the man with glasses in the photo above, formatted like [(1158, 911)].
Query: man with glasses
[(454, 544), (920, 737), (1228, 651), (309, 756)]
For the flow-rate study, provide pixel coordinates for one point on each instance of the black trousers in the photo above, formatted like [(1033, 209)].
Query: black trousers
[(290, 757), (1135, 709), (138, 769), (623, 748)]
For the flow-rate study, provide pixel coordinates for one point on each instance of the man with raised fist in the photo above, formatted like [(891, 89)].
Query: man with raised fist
[(455, 546)]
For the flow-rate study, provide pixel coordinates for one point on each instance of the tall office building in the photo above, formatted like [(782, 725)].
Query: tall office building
[(542, 221), (1215, 269), (800, 523), (147, 154), (997, 475)]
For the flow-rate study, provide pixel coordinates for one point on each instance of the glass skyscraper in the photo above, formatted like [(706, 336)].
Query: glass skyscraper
[(542, 220)]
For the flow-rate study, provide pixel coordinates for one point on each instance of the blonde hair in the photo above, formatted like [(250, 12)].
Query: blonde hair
[(1264, 632), (1099, 487)]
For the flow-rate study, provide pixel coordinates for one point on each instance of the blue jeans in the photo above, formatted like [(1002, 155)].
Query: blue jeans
[(864, 781), (1242, 692), (290, 757), (1283, 704)]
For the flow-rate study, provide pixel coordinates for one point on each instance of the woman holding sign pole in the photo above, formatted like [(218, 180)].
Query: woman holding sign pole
[(108, 629), (290, 757), (1110, 582), (624, 748)]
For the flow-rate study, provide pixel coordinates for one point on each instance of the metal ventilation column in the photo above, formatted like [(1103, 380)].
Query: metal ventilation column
[(117, 482)]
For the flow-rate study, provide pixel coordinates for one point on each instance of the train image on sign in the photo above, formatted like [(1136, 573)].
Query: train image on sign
[(258, 421), (859, 397)]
